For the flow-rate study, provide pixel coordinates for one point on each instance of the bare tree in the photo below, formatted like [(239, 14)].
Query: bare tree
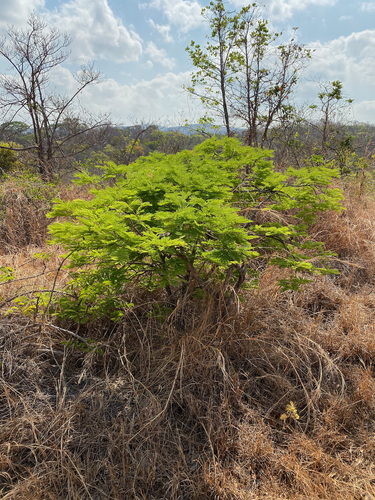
[(26, 93), (267, 75)]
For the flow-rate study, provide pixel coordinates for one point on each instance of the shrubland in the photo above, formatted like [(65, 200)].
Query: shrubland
[(200, 327), (189, 319)]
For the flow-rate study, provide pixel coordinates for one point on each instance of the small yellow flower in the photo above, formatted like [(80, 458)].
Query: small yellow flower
[(291, 412)]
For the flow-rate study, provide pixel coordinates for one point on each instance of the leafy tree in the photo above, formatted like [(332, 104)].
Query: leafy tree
[(327, 121), (25, 91), (321, 129), (126, 144), (172, 141), (190, 223), (331, 107), (13, 131), (243, 73)]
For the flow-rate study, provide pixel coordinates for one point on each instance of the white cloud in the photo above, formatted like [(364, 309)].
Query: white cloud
[(97, 33), (364, 111), (351, 60), (163, 30), (148, 100), (284, 9), (16, 12), (184, 13), (346, 57), (157, 98), (159, 55), (279, 10), (368, 6), (62, 80), (345, 18)]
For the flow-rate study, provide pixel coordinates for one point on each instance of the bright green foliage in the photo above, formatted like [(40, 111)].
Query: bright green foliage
[(6, 274), (188, 222), (8, 158), (30, 185), (96, 293), (30, 305)]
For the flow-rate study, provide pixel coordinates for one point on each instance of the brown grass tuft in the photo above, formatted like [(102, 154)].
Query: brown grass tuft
[(24, 202)]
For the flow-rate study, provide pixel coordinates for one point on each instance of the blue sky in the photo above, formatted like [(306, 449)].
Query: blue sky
[(139, 45)]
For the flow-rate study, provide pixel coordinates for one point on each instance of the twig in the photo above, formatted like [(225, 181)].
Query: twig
[(63, 330), (54, 283), (27, 277)]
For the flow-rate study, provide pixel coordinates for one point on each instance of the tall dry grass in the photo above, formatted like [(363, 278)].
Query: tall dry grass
[(169, 414), (24, 202)]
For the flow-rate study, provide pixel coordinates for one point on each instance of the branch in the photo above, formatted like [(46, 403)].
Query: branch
[(28, 148)]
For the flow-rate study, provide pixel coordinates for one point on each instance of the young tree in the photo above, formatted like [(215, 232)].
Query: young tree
[(244, 72), (8, 159), (327, 119), (321, 129), (25, 92), (217, 62), (192, 223)]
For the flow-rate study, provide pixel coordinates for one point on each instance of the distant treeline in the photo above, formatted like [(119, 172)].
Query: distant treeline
[(292, 143)]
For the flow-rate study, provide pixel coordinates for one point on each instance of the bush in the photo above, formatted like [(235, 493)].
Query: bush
[(199, 222), (8, 159)]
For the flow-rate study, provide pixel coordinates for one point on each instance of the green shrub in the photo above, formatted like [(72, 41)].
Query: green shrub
[(8, 159), (196, 221)]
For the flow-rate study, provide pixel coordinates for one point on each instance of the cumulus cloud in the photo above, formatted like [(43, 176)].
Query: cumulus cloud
[(16, 12), (346, 57), (97, 33), (159, 56), (351, 60), (345, 18), (163, 30), (157, 98), (184, 13), (368, 6), (364, 111), (284, 9)]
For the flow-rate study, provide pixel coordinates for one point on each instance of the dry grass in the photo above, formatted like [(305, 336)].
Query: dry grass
[(24, 203), (165, 414)]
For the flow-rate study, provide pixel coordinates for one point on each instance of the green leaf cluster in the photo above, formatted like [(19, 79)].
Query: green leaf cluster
[(6, 274)]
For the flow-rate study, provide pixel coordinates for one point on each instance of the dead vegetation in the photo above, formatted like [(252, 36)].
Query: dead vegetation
[(151, 412), (24, 203)]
